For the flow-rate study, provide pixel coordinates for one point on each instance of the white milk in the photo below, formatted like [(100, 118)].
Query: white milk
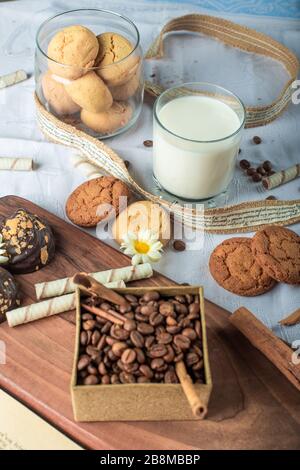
[(188, 168)]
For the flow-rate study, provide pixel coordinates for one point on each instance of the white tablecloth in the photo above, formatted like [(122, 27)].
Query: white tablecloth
[(193, 58)]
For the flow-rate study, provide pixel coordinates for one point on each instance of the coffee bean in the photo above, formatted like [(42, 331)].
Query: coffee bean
[(182, 342), (173, 329), (92, 351), (179, 245), (169, 357), (149, 341), (251, 171), (131, 368), (181, 308), (127, 163), (131, 298), (145, 328), (157, 363), (170, 377), (129, 315), (271, 172), (166, 308), (147, 309), (111, 356), (143, 380), (89, 324), (118, 348), (110, 341), (83, 373), (267, 165), (140, 356), (102, 342), (129, 325), (92, 369), (244, 164), (148, 143), (114, 379), (164, 338), (83, 362), (156, 319), (87, 316), (178, 358), (194, 308), (157, 350), (146, 371), (271, 198), (126, 378), (256, 177), (191, 358), (151, 295), (83, 338), (198, 365), (95, 337), (137, 339), (91, 380), (257, 140), (189, 333), (105, 306), (102, 368), (105, 380), (118, 332), (261, 170), (198, 328), (106, 328), (128, 356)]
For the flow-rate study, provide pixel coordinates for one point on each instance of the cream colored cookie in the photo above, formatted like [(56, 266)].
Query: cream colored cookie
[(116, 65), (74, 46), (143, 215), (57, 97), (90, 93), (109, 121), (128, 89)]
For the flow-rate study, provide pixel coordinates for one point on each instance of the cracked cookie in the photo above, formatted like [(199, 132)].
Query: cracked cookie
[(9, 293), (108, 121), (234, 267), (76, 47), (143, 215), (116, 63), (28, 242), (277, 249), (96, 200)]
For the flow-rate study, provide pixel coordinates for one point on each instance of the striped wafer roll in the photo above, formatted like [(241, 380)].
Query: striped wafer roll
[(16, 164), (282, 177), (13, 78)]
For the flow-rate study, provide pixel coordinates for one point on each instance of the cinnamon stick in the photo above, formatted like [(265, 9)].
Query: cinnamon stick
[(279, 353), (114, 317), (198, 408), (292, 319)]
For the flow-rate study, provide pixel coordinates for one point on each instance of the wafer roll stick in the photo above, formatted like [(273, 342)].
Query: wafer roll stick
[(90, 171), (16, 164), (282, 177), (13, 78), (64, 286), (40, 310)]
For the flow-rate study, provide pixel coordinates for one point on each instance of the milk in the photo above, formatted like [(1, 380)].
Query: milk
[(190, 159)]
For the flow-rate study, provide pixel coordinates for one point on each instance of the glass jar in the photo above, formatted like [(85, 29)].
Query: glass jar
[(196, 138), (93, 83)]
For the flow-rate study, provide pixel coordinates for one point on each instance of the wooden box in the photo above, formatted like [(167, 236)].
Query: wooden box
[(138, 402)]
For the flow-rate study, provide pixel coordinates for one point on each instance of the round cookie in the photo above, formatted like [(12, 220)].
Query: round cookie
[(90, 93), (109, 121), (57, 97), (127, 90), (76, 47), (9, 293), (83, 206), (143, 215), (28, 241), (234, 267), (277, 249), (116, 65)]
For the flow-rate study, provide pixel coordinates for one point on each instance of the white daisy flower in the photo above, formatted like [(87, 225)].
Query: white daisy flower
[(3, 258), (144, 247)]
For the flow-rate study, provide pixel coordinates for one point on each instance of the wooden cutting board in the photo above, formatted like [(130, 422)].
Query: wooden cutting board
[(252, 406)]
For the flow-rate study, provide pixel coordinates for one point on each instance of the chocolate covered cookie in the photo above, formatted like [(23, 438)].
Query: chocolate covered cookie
[(28, 241), (235, 268), (94, 200), (277, 249), (9, 293)]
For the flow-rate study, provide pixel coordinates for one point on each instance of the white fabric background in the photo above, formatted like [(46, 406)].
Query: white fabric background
[(255, 79)]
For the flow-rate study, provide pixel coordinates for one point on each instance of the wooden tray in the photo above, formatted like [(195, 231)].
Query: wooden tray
[(252, 405)]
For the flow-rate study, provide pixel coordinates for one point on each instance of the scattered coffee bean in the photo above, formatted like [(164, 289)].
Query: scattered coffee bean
[(148, 143), (127, 163), (267, 165), (179, 245), (240, 150), (271, 198), (261, 170), (256, 177), (245, 164), (257, 140)]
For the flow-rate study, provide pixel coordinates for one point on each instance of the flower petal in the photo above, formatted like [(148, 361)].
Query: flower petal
[(136, 259)]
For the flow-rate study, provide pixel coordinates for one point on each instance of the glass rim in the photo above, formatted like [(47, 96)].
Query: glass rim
[(186, 84), (101, 10)]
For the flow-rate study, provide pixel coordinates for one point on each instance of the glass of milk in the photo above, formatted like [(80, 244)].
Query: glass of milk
[(196, 139)]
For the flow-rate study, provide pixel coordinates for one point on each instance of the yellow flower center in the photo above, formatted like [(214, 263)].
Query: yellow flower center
[(141, 247)]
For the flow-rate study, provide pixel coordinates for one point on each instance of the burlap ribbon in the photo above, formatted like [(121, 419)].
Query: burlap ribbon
[(243, 38), (244, 217)]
